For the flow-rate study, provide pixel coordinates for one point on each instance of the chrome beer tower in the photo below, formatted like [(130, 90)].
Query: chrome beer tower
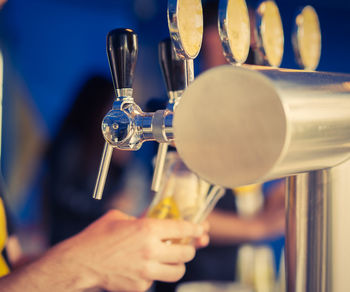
[(252, 124), (308, 237)]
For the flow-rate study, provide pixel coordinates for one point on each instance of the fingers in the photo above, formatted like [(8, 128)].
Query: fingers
[(164, 272), (174, 253), (169, 229), (202, 241)]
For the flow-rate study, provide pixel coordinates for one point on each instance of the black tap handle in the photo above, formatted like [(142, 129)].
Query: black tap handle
[(173, 68), (122, 54)]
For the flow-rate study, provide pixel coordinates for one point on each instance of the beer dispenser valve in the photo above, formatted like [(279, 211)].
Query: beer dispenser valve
[(126, 126), (174, 73)]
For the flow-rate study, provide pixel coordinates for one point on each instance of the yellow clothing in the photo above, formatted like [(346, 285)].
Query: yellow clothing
[(4, 268)]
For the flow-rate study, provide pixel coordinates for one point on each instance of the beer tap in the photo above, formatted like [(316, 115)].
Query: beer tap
[(270, 34), (174, 72), (176, 58), (306, 38), (122, 55), (126, 126), (234, 30), (185, 22)]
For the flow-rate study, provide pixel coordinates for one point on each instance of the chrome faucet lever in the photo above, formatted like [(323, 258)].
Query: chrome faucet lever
[(174, 70), (122, 51)]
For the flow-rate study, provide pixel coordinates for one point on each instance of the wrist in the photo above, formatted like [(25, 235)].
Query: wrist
[(63, 265)]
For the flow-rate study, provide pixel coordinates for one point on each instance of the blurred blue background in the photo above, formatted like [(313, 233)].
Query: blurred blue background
[(51, 46)]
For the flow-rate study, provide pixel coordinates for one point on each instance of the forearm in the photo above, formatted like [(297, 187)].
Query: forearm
[(228, 228), (51, 272)]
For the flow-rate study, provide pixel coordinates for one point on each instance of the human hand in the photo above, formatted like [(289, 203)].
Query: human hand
[(203, 240), (121, 253)]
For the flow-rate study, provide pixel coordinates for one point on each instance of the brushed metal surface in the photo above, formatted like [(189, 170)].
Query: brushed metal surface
[(308, 248), (257, 123)]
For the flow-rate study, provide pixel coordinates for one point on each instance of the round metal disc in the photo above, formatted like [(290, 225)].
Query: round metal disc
[(270, 32), (185, 20), (224, 150), (307, 38), (234, 30)]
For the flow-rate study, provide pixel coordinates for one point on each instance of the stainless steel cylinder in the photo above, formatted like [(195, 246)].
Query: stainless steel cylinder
[(257, 123), (308, 248), (340, 231)]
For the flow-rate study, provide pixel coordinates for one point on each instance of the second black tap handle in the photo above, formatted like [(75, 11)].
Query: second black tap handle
[(122, 50), (174, 68)]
